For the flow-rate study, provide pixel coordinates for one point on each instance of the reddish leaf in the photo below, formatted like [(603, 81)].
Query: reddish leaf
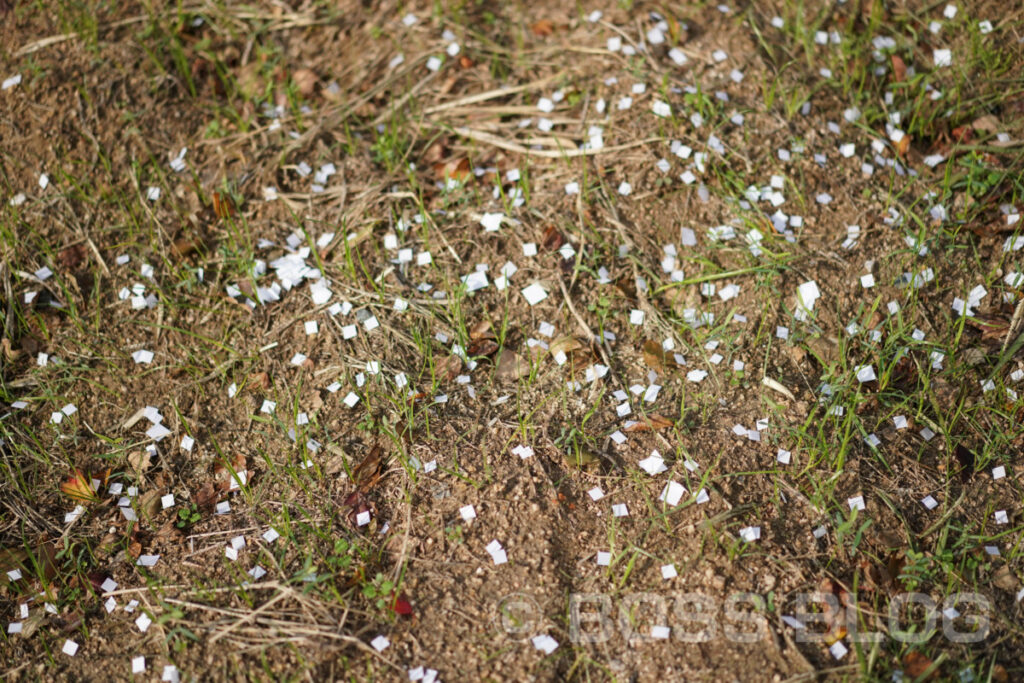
[(223, 205), (79, 487), (96, 578), (401, 605), (963, 134)]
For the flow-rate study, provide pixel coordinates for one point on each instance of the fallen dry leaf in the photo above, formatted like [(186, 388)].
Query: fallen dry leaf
[(401, 605), (657, 358), (653, 422), (223, 205), (903, 146), (185, 246), (260, 380), (566, 345), (149, 504), (915, 664), (987, 124), (899, 69), (1005, 578), (481, 330), (224, 472), (482, 347), (305, 81), (542, 27), (552, 238), (456, 169), (139, 462), (79, 487), (448, 369), (206, 497), (370, 469), (965, 458), (10, 354), (72, 257), (511, 366), (43, 557)]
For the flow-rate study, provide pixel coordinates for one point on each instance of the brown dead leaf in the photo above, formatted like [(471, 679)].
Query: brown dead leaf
[(456, 169), (899, 69), (466, 63), (903, 146), (139, 462), (260, 380), (552, 238), (962, 134), (437, 151), (31, 625), (226, 472), (305, 81), (657, 358), (482, 347), (359, 504), (10, 354), (43, 557), (223, 205), (511, 366), (168, 531), (72, 257), (542, 28), (206, 497), (992, 328), (185, 246), (987, 124), (965, 459), (149, 504), (369, 471), (481, 330), (78, 486), (915, 664), (565, 345), (653, 422), (449, 368), (1005, 578), (627, 285)]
